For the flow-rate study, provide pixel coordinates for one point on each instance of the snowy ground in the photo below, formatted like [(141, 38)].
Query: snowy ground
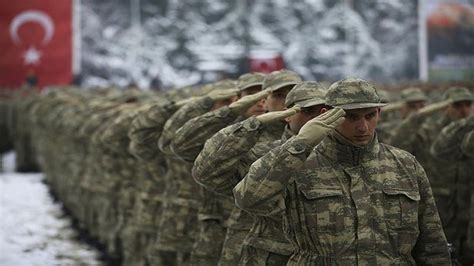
[(33, 228)]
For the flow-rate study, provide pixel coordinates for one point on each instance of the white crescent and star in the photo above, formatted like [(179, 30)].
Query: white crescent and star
[(32, 55)]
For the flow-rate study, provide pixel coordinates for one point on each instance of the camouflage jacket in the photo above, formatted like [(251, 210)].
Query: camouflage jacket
[(417, 140), (229, 153), (180, 187), (453, 146), (189, 141), (345, 205), (385, 130), (146, 129), (115, 136), (453, 143)]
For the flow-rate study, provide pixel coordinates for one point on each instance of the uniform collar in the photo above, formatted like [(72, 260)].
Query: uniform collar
[(341, 150)]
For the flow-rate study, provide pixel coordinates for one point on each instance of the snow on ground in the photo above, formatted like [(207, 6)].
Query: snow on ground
[(34, 230)]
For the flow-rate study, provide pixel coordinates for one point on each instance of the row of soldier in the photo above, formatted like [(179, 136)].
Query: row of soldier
[(264, 170)]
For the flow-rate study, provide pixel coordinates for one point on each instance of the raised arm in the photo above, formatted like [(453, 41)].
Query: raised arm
[(190, 138), (192, 109), (262, 191), (216, 166), (147, 127), (454, 140)]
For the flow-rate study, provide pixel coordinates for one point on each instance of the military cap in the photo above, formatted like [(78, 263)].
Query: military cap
[(384, 95), (353, 93), (458, 94), (413, 94), (305, 94), (249, 80), (279, 79)]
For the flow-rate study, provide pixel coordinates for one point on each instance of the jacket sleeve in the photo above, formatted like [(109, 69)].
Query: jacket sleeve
[(453, 141), (405, 134), (177, 120), (146, 128), (115, 137), (263, 190), (431, 246), (217, 165), (190, 138)]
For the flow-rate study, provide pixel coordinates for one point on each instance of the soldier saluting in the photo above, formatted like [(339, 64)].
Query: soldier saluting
[(346, 198)]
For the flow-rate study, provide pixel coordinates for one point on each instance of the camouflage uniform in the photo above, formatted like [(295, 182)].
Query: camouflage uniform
[(105, 172), (144, 132), (417, 140), (452, 145), (25, 159), (214, 209), (390, 121), (178, 225), (226, 157), (346, 204), (132, 184)]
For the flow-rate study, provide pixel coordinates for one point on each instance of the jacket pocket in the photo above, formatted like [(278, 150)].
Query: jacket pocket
[(323, 208), (401, 206)]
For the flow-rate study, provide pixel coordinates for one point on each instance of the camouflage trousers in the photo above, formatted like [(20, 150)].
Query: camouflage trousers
[(208, 246), (107, 227), (232, 248), (141, 234), (177, 231), (25, 159), (252, 256)]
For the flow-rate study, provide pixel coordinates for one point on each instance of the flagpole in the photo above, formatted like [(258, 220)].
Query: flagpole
[(422, 42), (76, 32)]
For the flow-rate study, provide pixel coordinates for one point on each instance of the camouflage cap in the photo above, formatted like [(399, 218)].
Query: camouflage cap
[(248, 80), (305, 94), (279, 79), (413, 94), (353, 93), (458, 94), (384, 96)]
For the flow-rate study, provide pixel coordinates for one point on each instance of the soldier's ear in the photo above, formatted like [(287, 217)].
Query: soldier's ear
[(323, 110)]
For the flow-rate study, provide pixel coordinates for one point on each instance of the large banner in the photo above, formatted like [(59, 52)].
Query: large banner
[(36, 42), (449, 39)]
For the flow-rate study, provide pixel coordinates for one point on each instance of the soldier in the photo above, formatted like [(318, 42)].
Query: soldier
[(178, 221), (347, 199), (144, 132), (130, 181), (265, 244), (221, 161), (412, 99), (188, 142), (25, 159), (416, 139), (455, 145)]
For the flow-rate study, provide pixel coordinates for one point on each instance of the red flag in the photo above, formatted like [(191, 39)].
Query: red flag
[(265, 61), (36, 39)]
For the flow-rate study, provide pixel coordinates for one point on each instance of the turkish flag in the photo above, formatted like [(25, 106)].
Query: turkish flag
[(265, 61), (36, 39)]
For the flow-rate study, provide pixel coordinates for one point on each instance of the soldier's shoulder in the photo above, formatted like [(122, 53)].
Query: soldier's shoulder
[(397, 152)]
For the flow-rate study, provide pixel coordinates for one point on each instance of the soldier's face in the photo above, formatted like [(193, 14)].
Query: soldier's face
[(459, 110), (221, 103), (259, 107), (297, 121), (411, 107), (276, 100), (359, 125)]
